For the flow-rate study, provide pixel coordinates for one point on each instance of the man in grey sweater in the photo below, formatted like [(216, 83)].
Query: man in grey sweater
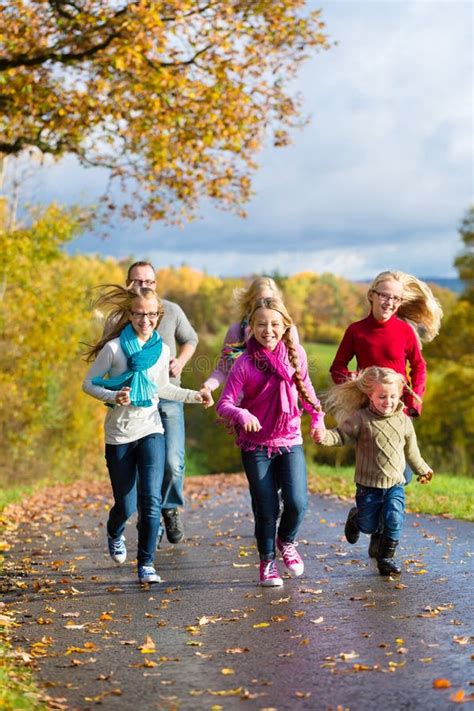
[(174, 329)]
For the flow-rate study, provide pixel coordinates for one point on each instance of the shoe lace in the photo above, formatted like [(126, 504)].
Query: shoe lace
[(117, 545), (289, 551), (269, 569), (147, 569)]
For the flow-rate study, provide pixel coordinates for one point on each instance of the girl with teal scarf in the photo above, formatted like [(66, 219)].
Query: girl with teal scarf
[(129, 373)]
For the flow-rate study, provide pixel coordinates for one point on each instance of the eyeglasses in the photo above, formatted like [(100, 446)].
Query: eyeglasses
[(142, 282), (388, 297), (150, 315)]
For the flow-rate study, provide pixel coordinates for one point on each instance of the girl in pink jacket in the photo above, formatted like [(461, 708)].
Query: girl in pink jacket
[(261, 401)]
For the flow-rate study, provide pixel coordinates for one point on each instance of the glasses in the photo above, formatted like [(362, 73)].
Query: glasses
[(388, 297), (142, 282), (150, 315)]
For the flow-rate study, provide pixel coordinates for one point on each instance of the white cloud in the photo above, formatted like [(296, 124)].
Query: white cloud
[(383, 172)]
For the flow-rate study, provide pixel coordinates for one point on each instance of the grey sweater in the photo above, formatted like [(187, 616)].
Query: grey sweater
[(175, 328), (384, 443)]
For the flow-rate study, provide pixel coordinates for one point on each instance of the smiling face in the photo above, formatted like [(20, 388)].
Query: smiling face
[(385, 397), (144, 314), (268, 327), (386, 298)]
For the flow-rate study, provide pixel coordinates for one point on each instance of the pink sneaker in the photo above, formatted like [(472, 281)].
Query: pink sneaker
[(291, 558), (269, 575)]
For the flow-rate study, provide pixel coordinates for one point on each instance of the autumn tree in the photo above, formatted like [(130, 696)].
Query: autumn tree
[(447, 425), (173, 97), (465, 261), (47, 424)]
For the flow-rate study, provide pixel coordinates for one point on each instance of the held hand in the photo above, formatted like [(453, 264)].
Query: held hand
[(123, 397), (424, 478), (318, 434), (175, 367), (206, 397), (253, 425)]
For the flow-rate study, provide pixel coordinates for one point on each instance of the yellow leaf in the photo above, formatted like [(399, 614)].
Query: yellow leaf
[(226, 692), (148, 647), (226, 671), (261, 624)]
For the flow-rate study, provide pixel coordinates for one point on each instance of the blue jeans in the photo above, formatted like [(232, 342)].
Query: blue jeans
[(386, 506), (266, 475), (136, 469), (172, 417)]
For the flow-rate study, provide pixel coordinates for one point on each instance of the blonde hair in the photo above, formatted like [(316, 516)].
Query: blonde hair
[(276, 304), (419, 306), (346, 398), (117, 302), (245, 297)]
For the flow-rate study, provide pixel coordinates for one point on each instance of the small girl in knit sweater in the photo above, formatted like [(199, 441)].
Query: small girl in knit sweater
[(369, 412), (260, 400)]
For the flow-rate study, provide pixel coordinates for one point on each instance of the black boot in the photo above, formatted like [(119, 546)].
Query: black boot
[(374, 544), (385, 555), (351, 529)]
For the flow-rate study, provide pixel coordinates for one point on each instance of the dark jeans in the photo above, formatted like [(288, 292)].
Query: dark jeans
[(381, 505), (136, 469), (266, 475)]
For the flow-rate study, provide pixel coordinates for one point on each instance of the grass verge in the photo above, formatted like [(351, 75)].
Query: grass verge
[(446, 495)]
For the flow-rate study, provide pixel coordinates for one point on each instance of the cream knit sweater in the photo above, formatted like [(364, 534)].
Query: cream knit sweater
[(384, 444)]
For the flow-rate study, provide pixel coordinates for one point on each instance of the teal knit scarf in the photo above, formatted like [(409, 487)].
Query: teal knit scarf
[(139, 359)]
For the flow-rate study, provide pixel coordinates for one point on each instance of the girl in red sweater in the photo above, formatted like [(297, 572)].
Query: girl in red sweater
[(403, 313)]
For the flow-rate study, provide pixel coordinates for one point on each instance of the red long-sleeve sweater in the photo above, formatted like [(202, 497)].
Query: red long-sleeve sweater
[(388, 344)]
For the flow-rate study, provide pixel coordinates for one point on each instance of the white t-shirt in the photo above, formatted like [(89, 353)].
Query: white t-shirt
[(126, 423)]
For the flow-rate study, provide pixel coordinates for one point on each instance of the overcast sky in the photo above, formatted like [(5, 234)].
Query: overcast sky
[(379, 179)]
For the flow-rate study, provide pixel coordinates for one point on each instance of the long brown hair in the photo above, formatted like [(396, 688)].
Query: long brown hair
[(276, 304), (117, 302)]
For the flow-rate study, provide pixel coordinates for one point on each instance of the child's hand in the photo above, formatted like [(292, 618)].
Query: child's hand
[(123, 397), (424, 478), (318, 434), (252, 425), (206, 397)]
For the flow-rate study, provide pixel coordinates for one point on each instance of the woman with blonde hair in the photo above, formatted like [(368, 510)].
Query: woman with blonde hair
[(403, 312)]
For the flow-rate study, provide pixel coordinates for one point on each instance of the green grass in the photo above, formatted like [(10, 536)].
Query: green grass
[(445, 495), (17, 685)]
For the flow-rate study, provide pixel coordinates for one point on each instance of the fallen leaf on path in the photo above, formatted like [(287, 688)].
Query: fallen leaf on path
[(318, 621), (261, 624), (148, 647), (441, 684), (280, 601), (226, 671), (226, 692), (236, 650), (458, 697)]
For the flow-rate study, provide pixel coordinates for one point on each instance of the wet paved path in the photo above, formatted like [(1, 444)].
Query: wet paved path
[(208, 637)]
